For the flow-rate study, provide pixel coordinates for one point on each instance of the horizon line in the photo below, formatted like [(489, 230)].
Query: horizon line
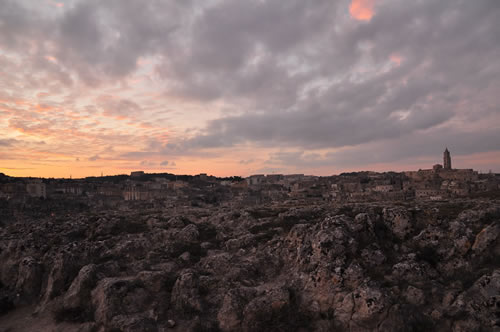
[(240, 176)]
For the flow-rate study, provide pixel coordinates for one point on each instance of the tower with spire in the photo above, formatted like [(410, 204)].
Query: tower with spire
[(446, 159)]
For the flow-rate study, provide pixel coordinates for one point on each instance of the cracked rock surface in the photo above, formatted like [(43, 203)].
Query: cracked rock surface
[(358, 267)]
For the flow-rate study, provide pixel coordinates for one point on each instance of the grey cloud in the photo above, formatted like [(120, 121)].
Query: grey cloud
[(301, 74), (268, 170), (118, 107), (147, 163), (169, 150), (27, 33), (137, 154), (96, 40), (310, 128), (432, 144), (19, 25), (250, 50), (164, 163), (94, 158), (442, 68), (8, 142)]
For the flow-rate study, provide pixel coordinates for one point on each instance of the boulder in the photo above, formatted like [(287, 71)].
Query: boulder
[(370, 307), (343, 308), (230, 315), (486, 237), (481, 302), (64, 269), (361, 222), (414, 295), (119, 296), (188, 234), (29, 279), (267, 312), (398, 220), (185, 296), (79, 293)]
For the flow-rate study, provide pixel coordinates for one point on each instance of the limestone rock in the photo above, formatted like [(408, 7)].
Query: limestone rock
[(414, 295), (186, 294), (119, 296), (64, 269), (188, 234), (370, 307), (485, 237), (79, 293), (269, 311), (29, 278), (373, 266), (230, 315), (398, 220)]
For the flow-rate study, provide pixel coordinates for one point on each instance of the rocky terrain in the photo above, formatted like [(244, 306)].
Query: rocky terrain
[(358, 267)]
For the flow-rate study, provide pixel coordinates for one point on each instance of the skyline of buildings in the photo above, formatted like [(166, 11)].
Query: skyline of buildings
[(447, 165)]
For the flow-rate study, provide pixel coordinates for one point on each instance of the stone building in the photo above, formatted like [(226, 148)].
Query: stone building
[(383, 188), (36, 188), (137, 174), (136, 193), (430, 193), (256, 179), (446, 159)]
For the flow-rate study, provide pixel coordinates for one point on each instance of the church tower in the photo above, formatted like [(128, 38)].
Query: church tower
[(446, 159)]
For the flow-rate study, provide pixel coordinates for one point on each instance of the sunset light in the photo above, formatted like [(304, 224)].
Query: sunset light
[(238, 87), (249, 165), (362, 10)]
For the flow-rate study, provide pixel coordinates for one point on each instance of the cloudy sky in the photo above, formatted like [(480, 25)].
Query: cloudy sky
[(237, 87)]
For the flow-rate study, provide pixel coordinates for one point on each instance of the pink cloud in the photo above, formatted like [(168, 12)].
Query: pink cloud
[(43, 94), (362, 10), (396, 59), (55, 4)]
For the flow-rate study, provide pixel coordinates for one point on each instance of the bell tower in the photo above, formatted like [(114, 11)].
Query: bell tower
[(446, 159)]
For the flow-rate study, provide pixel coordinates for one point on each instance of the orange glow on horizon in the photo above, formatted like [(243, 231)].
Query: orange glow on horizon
[(61, 165), (362, 10)]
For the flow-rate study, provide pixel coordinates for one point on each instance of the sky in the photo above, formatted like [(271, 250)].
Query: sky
[(241, 87)]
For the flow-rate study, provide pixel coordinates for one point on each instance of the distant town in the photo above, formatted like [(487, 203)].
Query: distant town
[(360, 251), (440, 182)]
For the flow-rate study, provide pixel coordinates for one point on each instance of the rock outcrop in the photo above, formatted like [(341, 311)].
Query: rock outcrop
[(365, 267)]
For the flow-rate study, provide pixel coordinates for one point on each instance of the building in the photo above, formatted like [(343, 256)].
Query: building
[(429, 193), (383, 188), (436, 168), (239, 184), (67, 188), (446, 159), (136, 193), (274, 178), (137, 174), (11, 190), (256, 179), (109, 190), (36, 188)]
